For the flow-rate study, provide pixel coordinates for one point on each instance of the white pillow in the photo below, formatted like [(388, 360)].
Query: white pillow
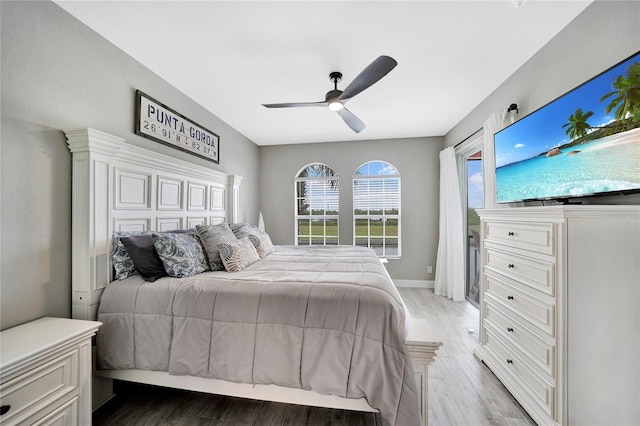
[(237, 255), (262, 243)]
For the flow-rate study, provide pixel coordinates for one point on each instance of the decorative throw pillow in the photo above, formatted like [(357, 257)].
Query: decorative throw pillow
[(182, 254), (211, 235), (243, 230), (262, 243), (123, 266), (237, 255), (144, 256)]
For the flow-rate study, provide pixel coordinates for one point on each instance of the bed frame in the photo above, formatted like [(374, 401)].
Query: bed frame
[(118, 186)]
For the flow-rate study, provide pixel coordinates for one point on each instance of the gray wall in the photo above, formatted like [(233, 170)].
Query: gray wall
[(604, 34), (417, 159), (57, 75)]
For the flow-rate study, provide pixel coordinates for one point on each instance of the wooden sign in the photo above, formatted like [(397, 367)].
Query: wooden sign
[(162, 124)]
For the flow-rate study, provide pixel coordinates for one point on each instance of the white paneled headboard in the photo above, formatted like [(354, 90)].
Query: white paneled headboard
[(117, 186)]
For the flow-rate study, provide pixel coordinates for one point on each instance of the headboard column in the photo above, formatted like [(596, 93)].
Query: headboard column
[(91, 185)]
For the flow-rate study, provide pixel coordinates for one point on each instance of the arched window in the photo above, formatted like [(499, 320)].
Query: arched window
[(316, 192), (376, 208)]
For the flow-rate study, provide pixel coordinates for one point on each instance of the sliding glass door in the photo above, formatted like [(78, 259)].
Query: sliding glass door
[(469, 156), (474, 201)]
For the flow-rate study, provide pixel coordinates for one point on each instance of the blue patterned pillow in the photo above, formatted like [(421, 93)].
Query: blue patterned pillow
[(181, 254), (237, 255), (120, 259), (211, 235), (262, 243)]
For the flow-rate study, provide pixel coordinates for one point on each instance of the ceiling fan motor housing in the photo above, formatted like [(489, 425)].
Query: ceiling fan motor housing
[(333, 95)]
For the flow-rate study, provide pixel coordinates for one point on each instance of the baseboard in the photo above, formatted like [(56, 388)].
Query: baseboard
[(415, 283)]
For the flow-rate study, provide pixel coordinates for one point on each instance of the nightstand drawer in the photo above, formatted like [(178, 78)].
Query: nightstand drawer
[(537, 237), (531, 272), (32, 391), (539, 311), (66, 415)]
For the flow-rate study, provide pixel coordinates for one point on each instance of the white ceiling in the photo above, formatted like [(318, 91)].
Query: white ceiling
[(233, 56)]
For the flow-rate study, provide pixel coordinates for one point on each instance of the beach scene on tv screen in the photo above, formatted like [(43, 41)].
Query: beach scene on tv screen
[(585, 142)]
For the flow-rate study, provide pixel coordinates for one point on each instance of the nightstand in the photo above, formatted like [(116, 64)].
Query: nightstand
[(45, 372)]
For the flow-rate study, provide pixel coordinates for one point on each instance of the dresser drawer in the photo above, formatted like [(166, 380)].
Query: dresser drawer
[(538, 310), (535, 273), (28, 393), (540, 390), (532, 236), (538, 349)]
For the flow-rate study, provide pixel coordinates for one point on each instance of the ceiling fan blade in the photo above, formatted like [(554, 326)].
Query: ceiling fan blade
[(352, 121), (297, 104), (369, 76)]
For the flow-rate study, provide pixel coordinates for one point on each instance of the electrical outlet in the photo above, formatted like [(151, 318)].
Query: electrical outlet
[(429, 269)]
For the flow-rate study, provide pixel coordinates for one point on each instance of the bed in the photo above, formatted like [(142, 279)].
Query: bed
[(319, 326)]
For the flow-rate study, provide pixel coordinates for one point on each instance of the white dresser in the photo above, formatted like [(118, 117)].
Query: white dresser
[(560, 310), (45, 372)]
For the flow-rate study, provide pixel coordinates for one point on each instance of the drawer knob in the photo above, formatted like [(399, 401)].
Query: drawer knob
[(510, 234), (510, 329), (509, 297), (510, 266), (4, 409), (509, 361)]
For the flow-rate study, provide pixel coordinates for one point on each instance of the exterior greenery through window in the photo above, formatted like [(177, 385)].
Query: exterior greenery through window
[(376, 208), (317, 190)]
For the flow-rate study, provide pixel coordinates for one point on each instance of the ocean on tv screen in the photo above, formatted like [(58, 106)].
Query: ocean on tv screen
[(609, 164)]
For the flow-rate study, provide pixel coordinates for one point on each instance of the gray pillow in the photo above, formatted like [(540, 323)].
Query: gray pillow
[(237, 255), (243, 230), (182, 254), (144, 256), (211, 235)]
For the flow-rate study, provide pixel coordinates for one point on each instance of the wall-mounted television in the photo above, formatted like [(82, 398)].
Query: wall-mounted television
[(584, 143)]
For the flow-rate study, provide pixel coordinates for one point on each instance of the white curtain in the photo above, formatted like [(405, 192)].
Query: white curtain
[(494, 123), (450, 262)]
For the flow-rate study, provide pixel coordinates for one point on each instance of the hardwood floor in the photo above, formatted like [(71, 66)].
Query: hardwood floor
[(462, 390)]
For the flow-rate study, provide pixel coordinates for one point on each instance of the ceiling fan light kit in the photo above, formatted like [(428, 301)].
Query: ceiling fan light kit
[(335, 99), (336, 105)]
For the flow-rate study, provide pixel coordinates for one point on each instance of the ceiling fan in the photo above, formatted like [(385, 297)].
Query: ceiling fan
[(335, 99)]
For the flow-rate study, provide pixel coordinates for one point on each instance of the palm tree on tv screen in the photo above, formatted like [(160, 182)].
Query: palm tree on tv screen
[(626, 94), (577, 125)]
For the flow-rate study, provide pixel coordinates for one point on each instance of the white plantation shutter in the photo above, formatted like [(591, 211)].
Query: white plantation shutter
[(376, 208), (317, 205)]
